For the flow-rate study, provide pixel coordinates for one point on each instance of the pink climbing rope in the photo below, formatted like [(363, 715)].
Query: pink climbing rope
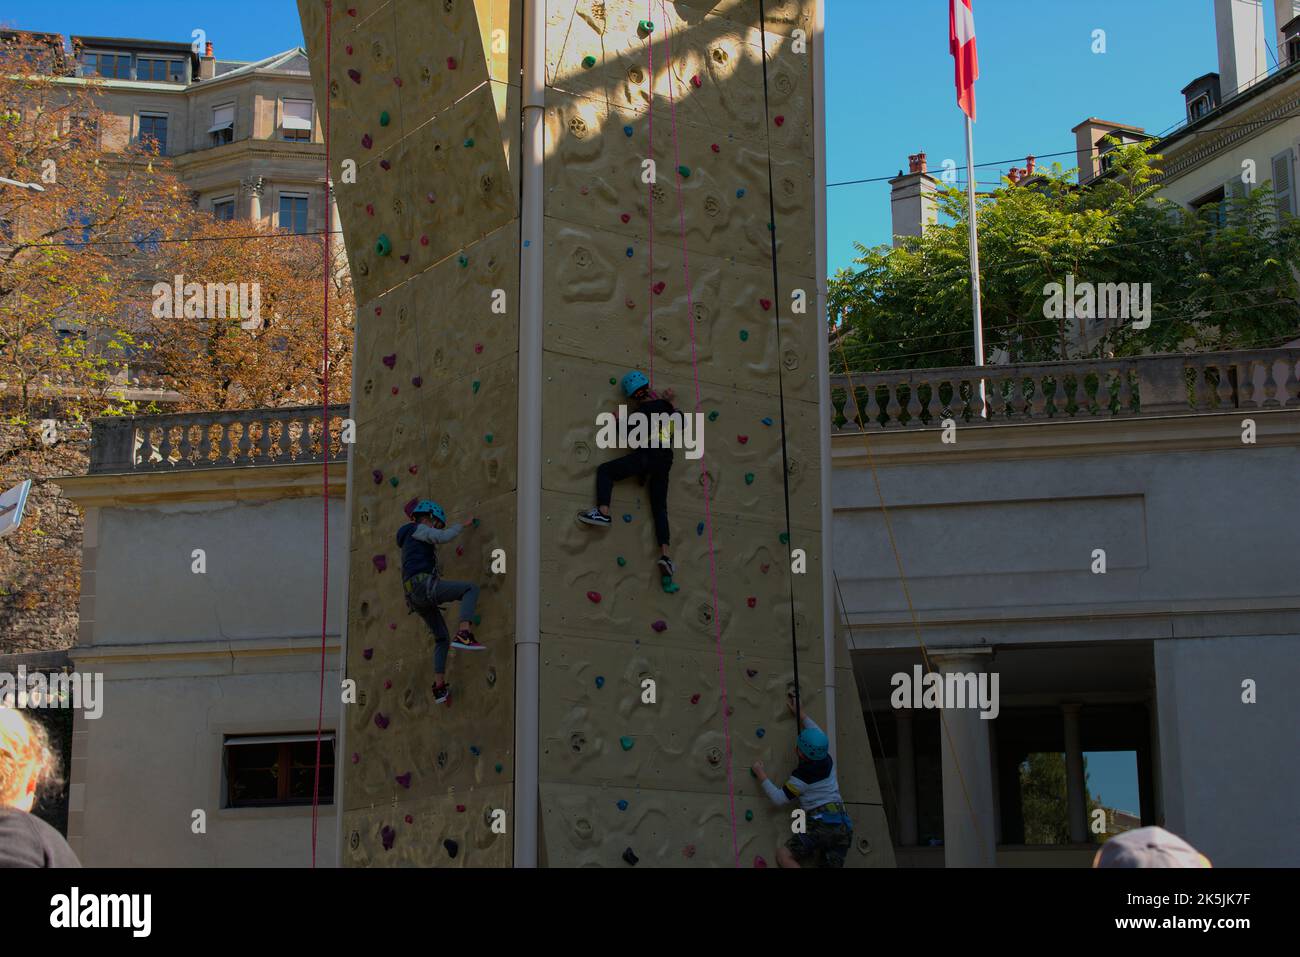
[(650, 188), (325, 447), (695, 372)]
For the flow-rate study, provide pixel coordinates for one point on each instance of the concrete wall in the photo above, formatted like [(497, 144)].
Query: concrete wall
[(1230, 775)]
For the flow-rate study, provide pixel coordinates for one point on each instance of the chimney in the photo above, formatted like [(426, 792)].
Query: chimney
[(912, 199), (1286, 11), (1030, 165), (1088, 137), (1239, 25), (207, 63)]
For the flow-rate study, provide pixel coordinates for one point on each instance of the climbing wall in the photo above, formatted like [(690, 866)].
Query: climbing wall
[(674, 277), (423, 99), (682, 84)]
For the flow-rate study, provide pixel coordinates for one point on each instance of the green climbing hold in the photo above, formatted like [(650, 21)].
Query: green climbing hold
[(393, 481), (476, 523), (488, 437), (613, 381), (588, 62), (713, 416), (785, 539), (626, 742), (670, 586), (749, 478), (383, 118), (621, 561), (749, 815), (469, 143), (499, 767), (464, 261), (475, 386), (383, 245), (744, 335), (646, 26), (685, 171)]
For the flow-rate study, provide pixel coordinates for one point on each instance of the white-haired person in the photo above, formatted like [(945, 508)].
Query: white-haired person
[(26, 765)]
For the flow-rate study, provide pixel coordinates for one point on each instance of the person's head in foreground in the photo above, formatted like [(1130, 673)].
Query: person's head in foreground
[(1148, 847), (26, 761), (26, 764)]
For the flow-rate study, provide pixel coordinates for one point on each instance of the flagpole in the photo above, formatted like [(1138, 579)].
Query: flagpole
[(975, 261)]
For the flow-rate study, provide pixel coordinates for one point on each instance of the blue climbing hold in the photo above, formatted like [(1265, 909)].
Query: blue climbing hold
[(760, 732), (630, 252), (527, 243), (627, 131), (474, 750), (627, 518), (600, 681), (740, 194), (699, 529), (626, 742), (767, 421), (622, 805)]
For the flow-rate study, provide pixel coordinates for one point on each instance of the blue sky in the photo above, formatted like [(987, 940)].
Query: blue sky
[(889, 76)]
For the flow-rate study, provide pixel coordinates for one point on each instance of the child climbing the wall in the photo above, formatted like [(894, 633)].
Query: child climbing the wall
[(829, 832), (651, 465), (426, 589)]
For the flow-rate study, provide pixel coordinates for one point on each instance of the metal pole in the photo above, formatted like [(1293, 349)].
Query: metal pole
[(975, 260)]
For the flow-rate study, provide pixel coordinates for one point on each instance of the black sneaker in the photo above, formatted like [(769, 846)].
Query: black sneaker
[(464, 641), (667, 567), (441, 693), (593, 517)]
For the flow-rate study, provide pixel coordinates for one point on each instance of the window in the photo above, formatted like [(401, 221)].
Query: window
[(224, 209), (1284, 184), (1214, 206), (222, 129), (1198, 107), (1293, 50), (153, 132), (293, 212), (112, 66), (163, 71), (266, 771), (295, 120)]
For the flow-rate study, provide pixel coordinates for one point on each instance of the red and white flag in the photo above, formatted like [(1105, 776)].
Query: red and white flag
[(961, 37)]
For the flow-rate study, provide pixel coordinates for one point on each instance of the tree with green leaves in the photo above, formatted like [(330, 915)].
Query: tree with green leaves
[(1221, 277)]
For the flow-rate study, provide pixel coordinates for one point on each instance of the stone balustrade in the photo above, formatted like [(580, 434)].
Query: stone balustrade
[(197, 440), (1083, 389)]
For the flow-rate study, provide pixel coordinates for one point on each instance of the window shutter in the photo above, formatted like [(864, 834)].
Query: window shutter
[(297, 115), (223, 118), (1284, 184)]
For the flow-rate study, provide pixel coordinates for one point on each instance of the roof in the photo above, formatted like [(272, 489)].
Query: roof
[(1094, 121), (133, 44), (1198, 81), (1278, 77), (293, 60)]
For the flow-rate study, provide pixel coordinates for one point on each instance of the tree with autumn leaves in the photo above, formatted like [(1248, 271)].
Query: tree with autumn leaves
[(86, 234)]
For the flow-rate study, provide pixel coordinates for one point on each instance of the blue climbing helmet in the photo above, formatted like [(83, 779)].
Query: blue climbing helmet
[(427, 507), (813, 743), (634, 381)]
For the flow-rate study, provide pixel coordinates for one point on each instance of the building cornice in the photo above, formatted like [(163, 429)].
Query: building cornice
[(246, 484), (1218, 431)]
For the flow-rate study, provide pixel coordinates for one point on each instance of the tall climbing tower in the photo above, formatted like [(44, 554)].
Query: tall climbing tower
[(535, 198)]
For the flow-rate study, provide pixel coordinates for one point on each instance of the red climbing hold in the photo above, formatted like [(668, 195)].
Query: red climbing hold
[(409, 507), (697, 81), (385, 165), (478, 348), (354, 76), (394, 390), (390, 361), (695, 699), (688, 850), (388, 683), (742, 439), (766, 304), (404, 779), (379, 310), (593, 597), (460, 549), (352, 11), (764, 567), (429, 197), (367, 142), (659, 287), (381, 562), (626, 218), (424, 240), (356, 758), (780, 121), (460, 808), (397, 80), (413, 469), (660, 626), (370, 209), (409, 819), (716, 148), (348, 49), (451, 63), (759, 862), (392, 626), (751, 601)]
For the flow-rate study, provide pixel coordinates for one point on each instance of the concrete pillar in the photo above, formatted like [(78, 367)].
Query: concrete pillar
[(1074, 782), (907, 830), (968, 828), (251, 191)]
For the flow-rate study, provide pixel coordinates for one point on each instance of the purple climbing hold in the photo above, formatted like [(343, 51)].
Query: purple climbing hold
[(451, 847), (388, 835), (367, 142), (659, 625), (356, 758), (354, 75), (368, 653), (630, 857), (381, 562), (378, 476), (404, 779), (390, 361), (380, 721), (751, 671), (417, 382)]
